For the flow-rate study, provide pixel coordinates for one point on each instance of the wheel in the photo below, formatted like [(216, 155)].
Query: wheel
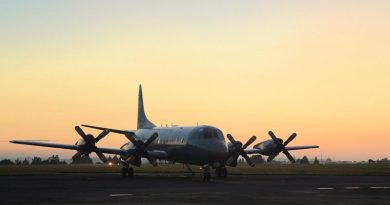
[(124, 172), (218, 172), (206, 177), (130, 172), (223, 172)]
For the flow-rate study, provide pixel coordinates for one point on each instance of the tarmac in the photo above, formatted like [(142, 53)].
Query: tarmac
[(183, 189)]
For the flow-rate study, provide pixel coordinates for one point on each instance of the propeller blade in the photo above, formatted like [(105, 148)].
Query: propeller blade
[(288, 155), (230, 137), (101, 156), (151, 160), (250, 141), (130, 136), (101, 135), (151, 139), (76, 156), (272, 135), (290, 139), (275, 139), (81, 133), (248, 160), (272, 156)]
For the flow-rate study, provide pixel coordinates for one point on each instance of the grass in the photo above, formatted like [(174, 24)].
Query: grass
[(264, 169)]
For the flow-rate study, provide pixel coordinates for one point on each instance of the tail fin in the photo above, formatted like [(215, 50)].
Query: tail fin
[(142, 122)]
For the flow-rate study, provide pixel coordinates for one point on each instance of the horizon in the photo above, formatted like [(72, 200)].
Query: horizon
[(320, 69)]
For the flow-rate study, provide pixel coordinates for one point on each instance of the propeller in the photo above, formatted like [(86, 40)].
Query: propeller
[(87, 144), (140, 149), (237, 149), (281, 147)]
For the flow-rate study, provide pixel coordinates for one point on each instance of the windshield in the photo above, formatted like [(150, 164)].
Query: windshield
[(210, 132)]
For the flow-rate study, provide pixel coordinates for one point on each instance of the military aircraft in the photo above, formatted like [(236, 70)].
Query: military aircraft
[(196, 145)]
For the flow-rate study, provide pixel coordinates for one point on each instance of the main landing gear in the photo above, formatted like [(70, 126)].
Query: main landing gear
[(221, 172), (127, 172)]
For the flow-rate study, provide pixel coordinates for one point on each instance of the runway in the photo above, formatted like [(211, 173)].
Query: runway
[(182, 189)]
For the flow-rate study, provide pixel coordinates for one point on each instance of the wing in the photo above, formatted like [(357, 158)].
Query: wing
[(258, 151), (71, 147), (302, 147), (252, 151), (109, 129)]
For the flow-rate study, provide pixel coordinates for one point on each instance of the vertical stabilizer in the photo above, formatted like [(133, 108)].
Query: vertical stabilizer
[(142, 122)]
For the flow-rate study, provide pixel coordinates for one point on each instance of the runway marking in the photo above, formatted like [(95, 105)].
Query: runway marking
[(325, 188), (352, 187), (114, 195), (379, 187)]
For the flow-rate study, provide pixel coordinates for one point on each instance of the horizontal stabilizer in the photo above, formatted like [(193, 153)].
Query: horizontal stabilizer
[(109, 129)]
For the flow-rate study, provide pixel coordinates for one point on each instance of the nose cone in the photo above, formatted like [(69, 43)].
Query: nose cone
[(209, 142), (214, 146), (212, 150)]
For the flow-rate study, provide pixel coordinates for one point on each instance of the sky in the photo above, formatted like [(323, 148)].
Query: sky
[(317, 68)]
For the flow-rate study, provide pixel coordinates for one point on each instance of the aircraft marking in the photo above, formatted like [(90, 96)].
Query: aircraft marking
[(352, 187), (325, 188), (118, 195), (379, 187)]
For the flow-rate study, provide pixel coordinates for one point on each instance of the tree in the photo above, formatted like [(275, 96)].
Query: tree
[(328, 161), (6, 162), (54, 159), (83, 160), (316, 161), (25, 162), (18, 161), (36, 160), (304, 160)]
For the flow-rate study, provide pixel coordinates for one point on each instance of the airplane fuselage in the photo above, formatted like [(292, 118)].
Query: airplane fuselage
[(197, 145)]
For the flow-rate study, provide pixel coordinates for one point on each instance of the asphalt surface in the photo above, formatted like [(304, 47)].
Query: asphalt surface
[(183, 189)]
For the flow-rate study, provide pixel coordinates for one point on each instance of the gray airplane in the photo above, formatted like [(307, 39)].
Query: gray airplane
[(197, 145)]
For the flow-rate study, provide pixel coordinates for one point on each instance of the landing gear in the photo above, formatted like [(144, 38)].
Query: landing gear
[(221, 172), (206, 173), (130, 172), (127, 172), (206, 177), (224, 172)]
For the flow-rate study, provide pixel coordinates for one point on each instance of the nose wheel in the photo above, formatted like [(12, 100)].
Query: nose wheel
[(127, 172), (206, 173)]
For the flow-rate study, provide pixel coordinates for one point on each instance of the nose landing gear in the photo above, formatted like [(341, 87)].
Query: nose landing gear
[(206, 173), (127, 172)]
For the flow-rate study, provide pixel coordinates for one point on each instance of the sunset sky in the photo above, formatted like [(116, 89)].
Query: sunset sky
[(317, 68)]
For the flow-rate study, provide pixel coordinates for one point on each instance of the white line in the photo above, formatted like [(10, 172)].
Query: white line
[(379, 187), (121, 195), (325, 188), (352, 187)]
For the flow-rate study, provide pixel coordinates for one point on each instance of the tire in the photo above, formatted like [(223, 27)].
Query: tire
[(124, 172), (223, 172), (130, 172), (218, 172), (206, 177)]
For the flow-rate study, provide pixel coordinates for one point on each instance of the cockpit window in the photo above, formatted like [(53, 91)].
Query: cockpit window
[(209, 132)]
